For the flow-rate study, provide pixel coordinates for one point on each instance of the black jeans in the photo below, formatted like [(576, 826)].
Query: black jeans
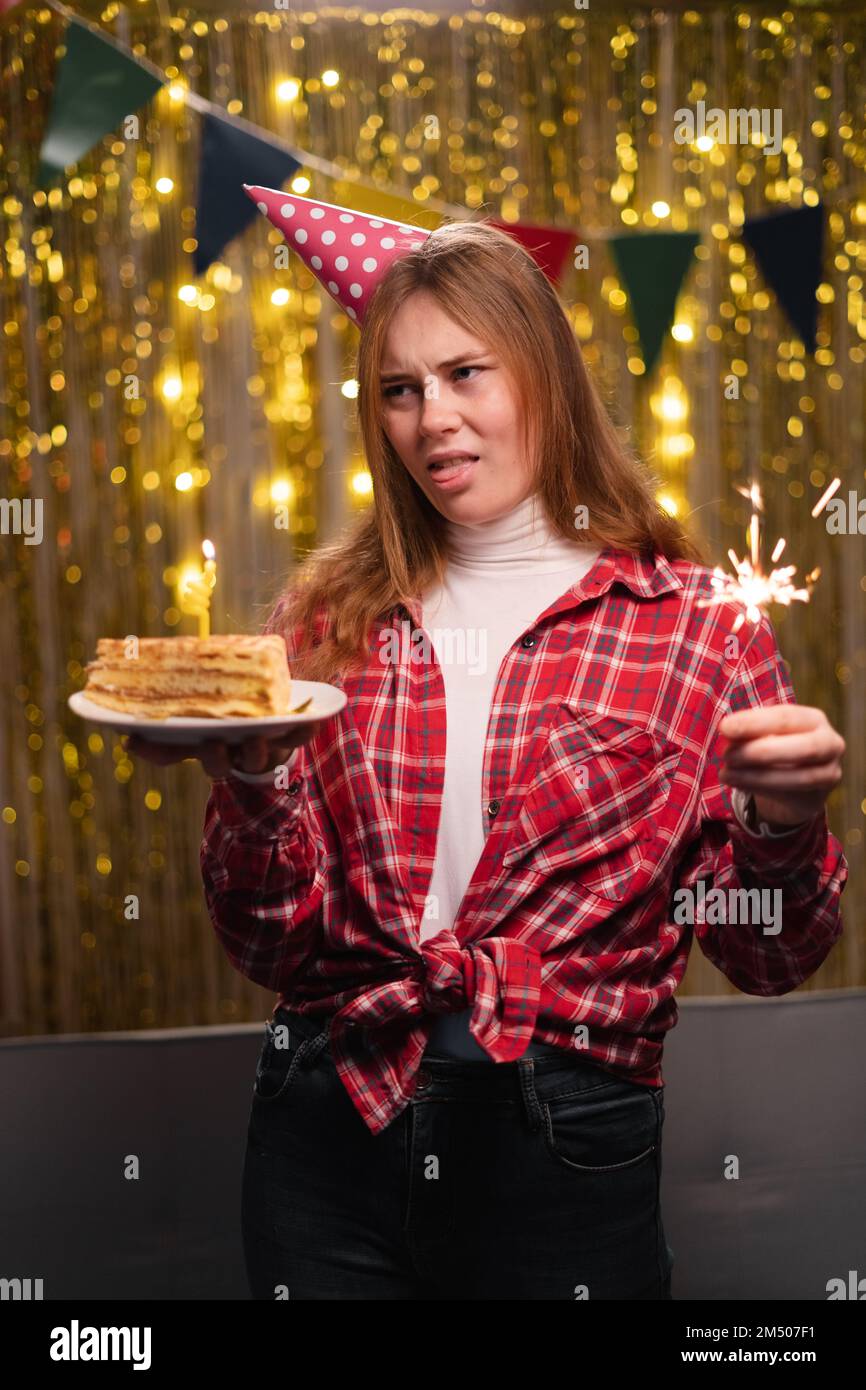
[(530, 1179)]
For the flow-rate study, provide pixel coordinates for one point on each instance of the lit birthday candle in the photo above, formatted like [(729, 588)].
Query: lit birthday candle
[(197, 592)]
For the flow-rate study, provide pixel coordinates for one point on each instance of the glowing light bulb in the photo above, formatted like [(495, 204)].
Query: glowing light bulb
[(672, 407)]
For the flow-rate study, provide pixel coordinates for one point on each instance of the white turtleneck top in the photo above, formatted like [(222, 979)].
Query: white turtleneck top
[(501, 576)]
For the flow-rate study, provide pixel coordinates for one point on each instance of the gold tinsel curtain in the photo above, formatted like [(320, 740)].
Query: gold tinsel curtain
[(550, 114)]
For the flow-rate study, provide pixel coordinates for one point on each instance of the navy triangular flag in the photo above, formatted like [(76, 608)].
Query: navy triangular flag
[(789, 247), (230, 157)]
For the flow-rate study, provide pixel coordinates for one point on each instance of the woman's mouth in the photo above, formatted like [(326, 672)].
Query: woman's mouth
[(452, 472)]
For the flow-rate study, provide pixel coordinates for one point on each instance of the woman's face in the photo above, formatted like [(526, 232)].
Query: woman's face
[(445, 392)]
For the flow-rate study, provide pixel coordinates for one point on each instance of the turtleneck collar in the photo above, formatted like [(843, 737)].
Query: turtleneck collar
[(522, 540)]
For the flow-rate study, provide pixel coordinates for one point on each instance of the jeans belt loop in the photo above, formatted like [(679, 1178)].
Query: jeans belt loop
[(528, 1094)]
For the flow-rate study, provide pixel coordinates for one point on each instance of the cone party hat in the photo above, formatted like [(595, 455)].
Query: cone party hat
[(348, 251)]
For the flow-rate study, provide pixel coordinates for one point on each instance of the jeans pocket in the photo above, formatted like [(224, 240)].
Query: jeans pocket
[(605, 1129)]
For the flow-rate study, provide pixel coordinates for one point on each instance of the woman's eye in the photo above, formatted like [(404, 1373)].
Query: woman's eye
[(402, 386)]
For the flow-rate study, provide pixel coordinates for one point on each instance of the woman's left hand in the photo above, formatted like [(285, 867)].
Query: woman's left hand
[(788, 756)]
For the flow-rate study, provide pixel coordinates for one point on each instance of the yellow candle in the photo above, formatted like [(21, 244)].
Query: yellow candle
[(198, 591)]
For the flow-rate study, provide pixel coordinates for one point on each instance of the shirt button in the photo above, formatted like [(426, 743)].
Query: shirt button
[(294, 786), (493, 807), (529, 640), (424, 1079)]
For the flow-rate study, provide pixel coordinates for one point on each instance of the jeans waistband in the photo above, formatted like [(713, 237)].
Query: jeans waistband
[(449, 1040), (532, 1080), (450, 1037), (307, 1025)]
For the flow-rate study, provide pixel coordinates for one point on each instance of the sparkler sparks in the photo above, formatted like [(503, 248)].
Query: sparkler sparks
[(749, 587)]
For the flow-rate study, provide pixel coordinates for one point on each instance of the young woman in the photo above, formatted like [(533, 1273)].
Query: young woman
[(462, 891)]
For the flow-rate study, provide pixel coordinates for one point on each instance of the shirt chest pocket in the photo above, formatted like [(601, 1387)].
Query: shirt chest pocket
[(592, 805)]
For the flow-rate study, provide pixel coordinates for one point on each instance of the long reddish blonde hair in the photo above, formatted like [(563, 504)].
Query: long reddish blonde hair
[(392, 552)]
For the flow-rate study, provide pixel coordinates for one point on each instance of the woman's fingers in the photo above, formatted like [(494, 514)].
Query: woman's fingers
[(215, 757), (213, 754), (160, 753), (256, 754), (262, 754)]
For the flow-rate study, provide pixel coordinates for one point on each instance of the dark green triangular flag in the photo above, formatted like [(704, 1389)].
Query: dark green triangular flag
[(653, 266), (96, 85)]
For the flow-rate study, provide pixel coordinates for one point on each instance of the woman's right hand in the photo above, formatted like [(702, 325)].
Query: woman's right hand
[(218, 758)]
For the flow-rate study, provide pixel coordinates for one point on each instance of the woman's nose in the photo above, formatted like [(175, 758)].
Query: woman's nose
[(438, 408)]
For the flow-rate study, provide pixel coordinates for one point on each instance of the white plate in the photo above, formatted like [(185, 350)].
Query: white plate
[(327, 700)]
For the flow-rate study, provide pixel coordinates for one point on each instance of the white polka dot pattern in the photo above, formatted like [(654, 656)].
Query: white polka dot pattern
[(348, 251)]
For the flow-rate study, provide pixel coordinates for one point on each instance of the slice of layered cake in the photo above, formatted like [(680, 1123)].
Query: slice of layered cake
[(204, 677)]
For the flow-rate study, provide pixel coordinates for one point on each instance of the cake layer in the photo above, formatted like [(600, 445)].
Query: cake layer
[(188, 708), (205, 677), (158, 681)]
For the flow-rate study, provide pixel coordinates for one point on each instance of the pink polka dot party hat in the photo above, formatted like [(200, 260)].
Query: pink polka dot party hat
[(348, 251)]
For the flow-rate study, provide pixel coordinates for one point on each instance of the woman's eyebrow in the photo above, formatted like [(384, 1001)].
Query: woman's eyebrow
[(462, 357)]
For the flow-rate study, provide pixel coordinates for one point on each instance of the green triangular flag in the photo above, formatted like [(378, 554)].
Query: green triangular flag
[(97, 84), (653, 266)]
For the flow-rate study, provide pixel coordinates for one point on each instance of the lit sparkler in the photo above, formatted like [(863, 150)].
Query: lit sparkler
[(749, 587)]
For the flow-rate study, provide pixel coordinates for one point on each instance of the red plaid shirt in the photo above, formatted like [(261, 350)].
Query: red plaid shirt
[(601, 795)]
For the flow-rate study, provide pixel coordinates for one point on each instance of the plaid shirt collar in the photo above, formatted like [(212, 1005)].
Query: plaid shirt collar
[(646, 576)]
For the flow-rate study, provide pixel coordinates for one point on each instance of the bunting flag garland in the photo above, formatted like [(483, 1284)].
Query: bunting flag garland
[(99, 82), (788, 247), (550, 247), (229, 157), (653, 266), (96, 85)]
